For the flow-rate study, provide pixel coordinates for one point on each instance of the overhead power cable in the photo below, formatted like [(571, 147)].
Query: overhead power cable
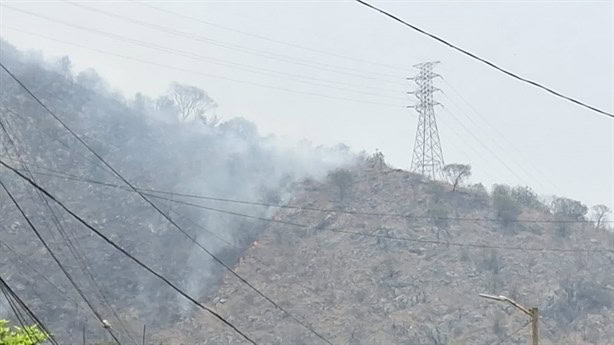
[(258, 52), (265, 38), (57, 261), (56, 139), (486, 62), (486, 147), (59, 174), (13, 298), (208, 75), (15, 309), (155, 207), (126, 253), (498, 133), (304, 79), (292, 60), (72, 247), (391, 237), (31, 267)]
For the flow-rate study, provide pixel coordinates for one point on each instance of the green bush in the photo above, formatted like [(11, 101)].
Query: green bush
[(526, 197), (568, 208), (29, 335), (505, 207)]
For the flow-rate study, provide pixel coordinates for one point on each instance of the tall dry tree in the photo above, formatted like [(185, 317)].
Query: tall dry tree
[(193, 103), (600, 213), (457, 173)]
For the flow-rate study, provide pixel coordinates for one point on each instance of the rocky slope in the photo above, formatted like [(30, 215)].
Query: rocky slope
[(341, 273), (360, 289)]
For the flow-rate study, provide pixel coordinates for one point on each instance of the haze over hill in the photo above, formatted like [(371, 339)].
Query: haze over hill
[(368, 254)]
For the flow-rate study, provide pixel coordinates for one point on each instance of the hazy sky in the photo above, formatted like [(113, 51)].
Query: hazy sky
[(508, 131)]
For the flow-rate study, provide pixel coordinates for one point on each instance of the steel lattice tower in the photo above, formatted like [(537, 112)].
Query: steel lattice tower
[(427, 158)]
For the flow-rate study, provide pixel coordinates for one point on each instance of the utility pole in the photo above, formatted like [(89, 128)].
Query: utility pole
[(427, 157), (534, 325), (533, 314)]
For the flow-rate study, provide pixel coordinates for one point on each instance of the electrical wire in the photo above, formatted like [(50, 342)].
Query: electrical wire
[(265, 38), (8, 291), (57, 261), (498, 132), (486, 62), (236, 47), (486, 147), (18, 315), (208, 75), (71, 246), (30, 266), (446, 243), (192, 55), (57, 139), (496, 143), (222, 62), (126, 253), (149, 191), (155, 207)]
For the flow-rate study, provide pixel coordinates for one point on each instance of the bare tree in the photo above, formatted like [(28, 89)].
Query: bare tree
[(457, 173), (193, 103), (600, 213)]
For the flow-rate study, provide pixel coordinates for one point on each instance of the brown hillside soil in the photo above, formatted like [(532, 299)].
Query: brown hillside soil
[(356, 289)]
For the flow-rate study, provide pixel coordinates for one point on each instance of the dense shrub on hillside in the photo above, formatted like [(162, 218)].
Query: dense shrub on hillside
[(565, 208), (505, 207), (575, 298), (526, 197), (29, 335)]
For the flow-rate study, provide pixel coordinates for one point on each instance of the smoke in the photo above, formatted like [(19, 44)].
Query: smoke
[(143, 138)]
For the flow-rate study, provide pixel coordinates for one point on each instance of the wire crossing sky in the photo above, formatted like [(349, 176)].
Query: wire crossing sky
[(491, 64), (279, 68)]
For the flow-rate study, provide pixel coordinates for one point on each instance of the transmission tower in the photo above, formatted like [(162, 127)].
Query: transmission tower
[(427, 158)]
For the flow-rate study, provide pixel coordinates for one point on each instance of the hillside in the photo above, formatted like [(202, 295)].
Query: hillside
[(356, 289), (149, 144), (408, 272)]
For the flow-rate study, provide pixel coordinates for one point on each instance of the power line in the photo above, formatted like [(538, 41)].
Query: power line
[(495, 142), (486, 147), (458, 244), (71, 246), (148, 45), (18, 315), (265, 38), (31, 267), (199, 57), (124, 252), (59, 174), (56, 139), (12, 297), (208, 75), (155, 207), (488, 63), (57, 261), (258, 52), (308, 80), (497, 131)]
